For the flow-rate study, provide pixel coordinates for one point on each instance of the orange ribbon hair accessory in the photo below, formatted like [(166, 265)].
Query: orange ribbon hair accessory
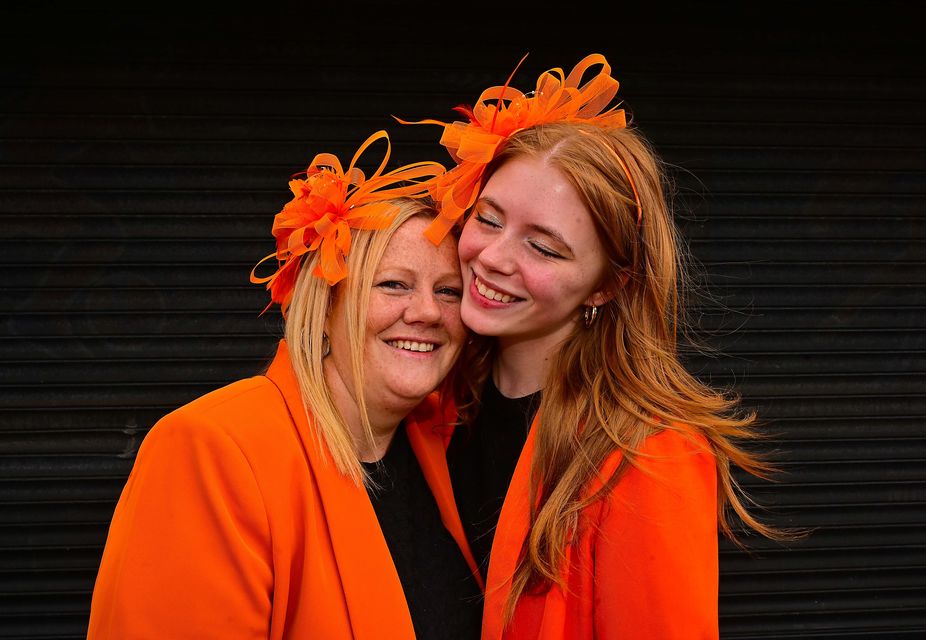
[(326, 205), (503, 111)]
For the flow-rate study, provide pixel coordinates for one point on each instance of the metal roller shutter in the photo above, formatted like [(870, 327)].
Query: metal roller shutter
[(143, 156)]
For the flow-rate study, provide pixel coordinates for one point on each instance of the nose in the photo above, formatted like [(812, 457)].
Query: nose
[(497, 255), (423, 307)]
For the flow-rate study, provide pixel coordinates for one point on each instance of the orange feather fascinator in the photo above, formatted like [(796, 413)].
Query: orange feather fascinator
[(327, 203), (501, 112)]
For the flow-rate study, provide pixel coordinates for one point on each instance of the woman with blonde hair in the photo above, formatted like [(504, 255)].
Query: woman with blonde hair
[(313, 501), (591, 469)]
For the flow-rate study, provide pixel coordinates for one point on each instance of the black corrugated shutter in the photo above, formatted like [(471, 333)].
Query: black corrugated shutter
[(143, 156)]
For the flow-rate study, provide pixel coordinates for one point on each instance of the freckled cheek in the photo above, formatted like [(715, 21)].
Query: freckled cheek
[(453, 323), (543, 284), (469, 247), (382, 313)]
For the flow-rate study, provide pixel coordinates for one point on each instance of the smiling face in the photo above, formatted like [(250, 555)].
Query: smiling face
[(530, 256), (413, 332)]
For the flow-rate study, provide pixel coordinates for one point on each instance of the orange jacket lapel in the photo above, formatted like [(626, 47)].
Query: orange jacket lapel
[(374, 594), (428, 442)]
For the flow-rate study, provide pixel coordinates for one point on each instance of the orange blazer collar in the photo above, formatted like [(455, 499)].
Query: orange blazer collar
[(427, 426), (375, 605), (510, 534)]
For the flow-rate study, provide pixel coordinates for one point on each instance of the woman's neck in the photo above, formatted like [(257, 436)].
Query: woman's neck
[(521, 367), (383, 421), (382, 424), (381, 440)]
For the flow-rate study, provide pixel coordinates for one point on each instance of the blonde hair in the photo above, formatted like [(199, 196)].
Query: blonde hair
[(621, 379), (305, 326)]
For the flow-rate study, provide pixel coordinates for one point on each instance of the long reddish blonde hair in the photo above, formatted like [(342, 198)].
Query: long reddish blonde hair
[(621, 379)]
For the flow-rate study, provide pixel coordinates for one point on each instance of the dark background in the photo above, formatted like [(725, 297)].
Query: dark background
[(145, 150)]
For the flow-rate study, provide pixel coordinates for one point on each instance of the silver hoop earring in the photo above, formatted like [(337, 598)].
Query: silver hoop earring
[(326, 346), (591, 312)]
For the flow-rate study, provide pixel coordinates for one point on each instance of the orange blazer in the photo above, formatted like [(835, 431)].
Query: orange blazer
[(645, 565), (235, 524)]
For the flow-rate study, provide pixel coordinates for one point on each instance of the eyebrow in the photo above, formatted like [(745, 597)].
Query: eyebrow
[(531, 225)]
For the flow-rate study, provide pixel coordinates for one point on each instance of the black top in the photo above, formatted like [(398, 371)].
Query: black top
[(482, 459), (443, 597)]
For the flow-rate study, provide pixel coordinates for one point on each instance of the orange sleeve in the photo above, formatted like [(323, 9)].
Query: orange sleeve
[(188, 551), (656, 555)]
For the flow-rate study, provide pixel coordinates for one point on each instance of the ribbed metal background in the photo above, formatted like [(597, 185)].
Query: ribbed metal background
[(143, 156)]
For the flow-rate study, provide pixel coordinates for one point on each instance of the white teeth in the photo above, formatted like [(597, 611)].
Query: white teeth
[(491, 294), (408, 345)]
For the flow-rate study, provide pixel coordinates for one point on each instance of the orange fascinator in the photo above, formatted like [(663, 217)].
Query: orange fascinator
[(326, 205), (501, 112)]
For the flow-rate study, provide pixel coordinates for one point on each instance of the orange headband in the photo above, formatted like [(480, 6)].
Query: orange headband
[(633, 187), (326, 205), (500, 112)]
